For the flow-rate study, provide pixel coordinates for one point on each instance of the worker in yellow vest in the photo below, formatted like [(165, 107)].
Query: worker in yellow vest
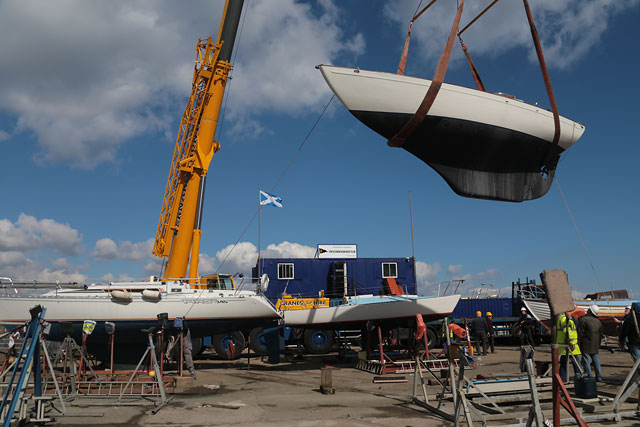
[(568, 334)]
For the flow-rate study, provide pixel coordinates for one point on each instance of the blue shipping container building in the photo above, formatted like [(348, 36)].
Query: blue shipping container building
[(334, 278), (499, 307)]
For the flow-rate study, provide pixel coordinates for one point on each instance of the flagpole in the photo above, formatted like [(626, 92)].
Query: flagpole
[(413, 246), (259, 221)]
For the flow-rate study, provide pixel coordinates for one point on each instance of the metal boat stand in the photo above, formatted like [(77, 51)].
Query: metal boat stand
[(151, 349), (37, 361), (630, 384), (385, 364), (486, 407), (456, 388), (74, 364), (16, 387)]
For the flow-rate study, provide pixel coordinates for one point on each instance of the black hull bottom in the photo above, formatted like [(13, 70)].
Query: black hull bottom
[(475, 159)]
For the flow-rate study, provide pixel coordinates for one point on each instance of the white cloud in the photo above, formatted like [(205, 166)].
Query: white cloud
[(4, 135), (240, 258), (110, 277), (86, 77), (289, 250), (244, 256), (23, 269), (22, 244), (153, 267), (12, 258), (454, 270), (64, 264), (206, 264), (107, 249), (426, 276), (568, 29), (281, 44), (28, 233), (62, 275)]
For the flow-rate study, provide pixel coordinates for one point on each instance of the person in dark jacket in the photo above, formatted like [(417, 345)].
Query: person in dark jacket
[(187, 349), (589, 336), (526, 328), (631, 333), (479, 329), (627, 310), (490, 332)]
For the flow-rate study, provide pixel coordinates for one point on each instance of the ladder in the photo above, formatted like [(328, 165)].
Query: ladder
[(402, 366)]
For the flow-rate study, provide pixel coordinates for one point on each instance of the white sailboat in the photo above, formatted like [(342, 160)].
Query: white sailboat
[(133, 306), (486, 145)]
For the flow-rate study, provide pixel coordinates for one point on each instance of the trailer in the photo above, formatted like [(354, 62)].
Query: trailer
[(333, 274), (505, 313)]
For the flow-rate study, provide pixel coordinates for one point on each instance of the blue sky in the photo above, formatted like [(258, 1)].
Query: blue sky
[(92, 93)]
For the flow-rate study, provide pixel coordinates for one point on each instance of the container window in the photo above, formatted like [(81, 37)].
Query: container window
[(389, 269), (285, 271)]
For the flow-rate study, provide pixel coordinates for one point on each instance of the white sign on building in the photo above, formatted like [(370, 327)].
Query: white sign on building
[(337, 251)]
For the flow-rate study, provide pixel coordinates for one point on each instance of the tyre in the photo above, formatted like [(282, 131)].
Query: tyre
[(515, 334), (318, 341), (197, 347), (229, 345), (257, 342), (432, 338)]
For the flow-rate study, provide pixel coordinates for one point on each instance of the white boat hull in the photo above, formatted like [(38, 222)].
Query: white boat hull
[(483, 144), (206, 312), (363, 309), (610, 314)]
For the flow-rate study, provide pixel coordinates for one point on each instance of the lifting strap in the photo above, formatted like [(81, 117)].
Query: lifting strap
[(474, 71), (403, 57), (547, 83), (407, 130)]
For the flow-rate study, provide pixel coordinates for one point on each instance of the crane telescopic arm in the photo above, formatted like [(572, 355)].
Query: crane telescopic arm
[(179, 228)]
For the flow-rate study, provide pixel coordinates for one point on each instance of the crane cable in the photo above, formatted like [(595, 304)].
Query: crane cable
[(575, 226), (279, 179)]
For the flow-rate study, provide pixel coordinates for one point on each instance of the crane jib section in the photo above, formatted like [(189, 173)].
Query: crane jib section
[(178, 228), (178, 233)]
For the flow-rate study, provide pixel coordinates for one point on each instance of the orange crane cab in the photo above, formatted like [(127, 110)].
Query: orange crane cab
[(223, 282)]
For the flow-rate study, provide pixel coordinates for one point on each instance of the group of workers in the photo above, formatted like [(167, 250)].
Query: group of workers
[(579, 334), (483, 332), (581, 339)]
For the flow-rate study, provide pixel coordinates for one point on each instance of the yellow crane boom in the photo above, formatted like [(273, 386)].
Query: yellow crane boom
[(179, 227)]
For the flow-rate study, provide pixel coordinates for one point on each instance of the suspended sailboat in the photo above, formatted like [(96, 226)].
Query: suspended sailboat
[(485, 145)]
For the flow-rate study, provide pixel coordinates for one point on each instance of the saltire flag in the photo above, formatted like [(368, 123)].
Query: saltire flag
[(267, 199)]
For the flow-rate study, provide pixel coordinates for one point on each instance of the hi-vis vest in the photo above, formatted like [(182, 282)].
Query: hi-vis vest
[(562, 334)]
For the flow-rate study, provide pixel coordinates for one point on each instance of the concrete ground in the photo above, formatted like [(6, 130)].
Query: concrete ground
[(288, 394)]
